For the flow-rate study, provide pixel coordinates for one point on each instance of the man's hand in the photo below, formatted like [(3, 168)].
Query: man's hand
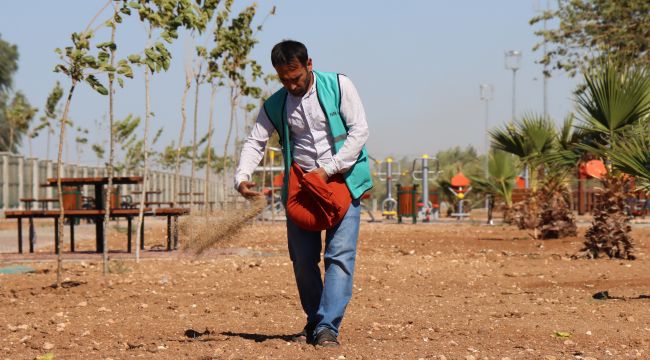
[(245, 189), (321, 173)]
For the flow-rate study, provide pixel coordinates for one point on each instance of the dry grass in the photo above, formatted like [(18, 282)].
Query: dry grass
[(205, 232)]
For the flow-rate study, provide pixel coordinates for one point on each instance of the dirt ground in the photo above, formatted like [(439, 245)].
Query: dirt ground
[(426, 291)]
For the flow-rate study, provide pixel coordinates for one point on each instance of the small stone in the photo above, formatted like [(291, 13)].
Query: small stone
[(103, 309), (442, 357), (144, 306), (60, 327), (550, 357), (630, 319), (453, 343), (85, 333), (12, 327), (341, 357), (505, 358), (470, 357), (24, 338), (59, 314), (82, 304), (569, 342), (48, 346), (588, 333), (22, 327)]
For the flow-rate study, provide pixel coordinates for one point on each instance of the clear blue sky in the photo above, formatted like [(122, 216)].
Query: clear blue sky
[(417, 66)]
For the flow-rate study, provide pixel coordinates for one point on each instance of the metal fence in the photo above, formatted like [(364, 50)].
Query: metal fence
[(22, 177)]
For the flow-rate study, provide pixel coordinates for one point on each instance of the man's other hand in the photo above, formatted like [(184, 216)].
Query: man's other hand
[(321, 173), (245, 189)]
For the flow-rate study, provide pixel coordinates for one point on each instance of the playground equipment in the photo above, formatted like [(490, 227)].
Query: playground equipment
[(389, 204), (460, 187), (426, 210)]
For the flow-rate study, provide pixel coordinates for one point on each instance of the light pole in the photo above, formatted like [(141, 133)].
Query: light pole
[(487, 91), (513, 60), (545, 13)]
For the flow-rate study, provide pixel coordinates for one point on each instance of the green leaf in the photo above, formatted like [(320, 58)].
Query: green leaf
[(135, 58), (103, 56), (120, 82), (61, 68), (48, 356), (107, 44), (96, 85)]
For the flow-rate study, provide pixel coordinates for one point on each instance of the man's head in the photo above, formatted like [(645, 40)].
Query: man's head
[(293, 65)]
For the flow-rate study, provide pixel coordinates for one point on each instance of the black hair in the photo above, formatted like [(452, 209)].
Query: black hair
[(285, 52)]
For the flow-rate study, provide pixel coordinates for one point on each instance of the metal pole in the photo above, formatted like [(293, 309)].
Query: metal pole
[(514, 91)]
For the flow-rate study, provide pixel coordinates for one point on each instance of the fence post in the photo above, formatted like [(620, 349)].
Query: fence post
[(21, 181), (35, 177), (5, 182)]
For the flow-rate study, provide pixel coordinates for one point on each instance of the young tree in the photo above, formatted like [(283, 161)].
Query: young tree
[(235, 44), (590, 30), (165, 17), (51, 113), (78, 65)]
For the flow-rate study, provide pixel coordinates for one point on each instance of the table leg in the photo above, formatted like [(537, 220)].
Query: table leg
[(128, 231), (20, 235), (72, 235), (169, 233), (99, 222), (175, 232), (142, 234), (32, 235), (56, 235)]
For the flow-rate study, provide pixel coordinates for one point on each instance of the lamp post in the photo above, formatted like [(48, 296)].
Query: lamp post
[(513, 60), (545, 13), (487, 91)]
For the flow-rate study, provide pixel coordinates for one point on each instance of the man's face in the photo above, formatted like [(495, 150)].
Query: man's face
[(295, 77)]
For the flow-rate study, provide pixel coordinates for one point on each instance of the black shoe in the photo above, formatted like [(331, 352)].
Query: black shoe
[(305, 336), (326, 338)]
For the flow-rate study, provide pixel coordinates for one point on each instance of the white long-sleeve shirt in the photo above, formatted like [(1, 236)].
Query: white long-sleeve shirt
[(313, 144)]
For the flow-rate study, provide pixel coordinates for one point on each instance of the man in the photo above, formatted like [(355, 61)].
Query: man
[(322, 127)]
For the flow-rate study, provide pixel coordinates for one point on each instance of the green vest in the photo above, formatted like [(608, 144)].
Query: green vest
[(357, 178)]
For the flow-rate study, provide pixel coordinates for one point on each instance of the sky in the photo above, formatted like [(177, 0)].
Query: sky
[(417, 65)]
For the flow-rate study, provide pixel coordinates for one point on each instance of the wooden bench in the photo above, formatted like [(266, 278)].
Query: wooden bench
[(43, 202), (96, 215)]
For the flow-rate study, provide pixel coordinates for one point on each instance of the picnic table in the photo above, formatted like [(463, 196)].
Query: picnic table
[(95, 210)]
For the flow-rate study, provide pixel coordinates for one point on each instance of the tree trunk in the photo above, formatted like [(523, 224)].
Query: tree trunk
[(48, 142), (208, 168), (109, 169), (233, 110), (11, 139), (145, 150), (196, 111), (188, 77), (59, 260)]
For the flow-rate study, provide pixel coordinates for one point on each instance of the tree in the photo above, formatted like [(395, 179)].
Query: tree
[(167, 16), (615, 103), (235, 44), (79, 65), (17, 118), (590, 30), (8, 65), (51, 113)]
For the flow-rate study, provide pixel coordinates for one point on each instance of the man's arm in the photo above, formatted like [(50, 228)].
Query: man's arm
[(251, 154), (355, 118)]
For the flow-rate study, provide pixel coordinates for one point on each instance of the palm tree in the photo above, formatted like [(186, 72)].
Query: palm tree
[(616, 100), (500, 181), (529, 138)]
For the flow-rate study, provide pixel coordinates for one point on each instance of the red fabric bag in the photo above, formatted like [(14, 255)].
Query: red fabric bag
[(313, 204)]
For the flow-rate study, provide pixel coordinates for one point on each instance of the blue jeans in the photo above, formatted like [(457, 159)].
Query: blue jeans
[(325, 302)]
